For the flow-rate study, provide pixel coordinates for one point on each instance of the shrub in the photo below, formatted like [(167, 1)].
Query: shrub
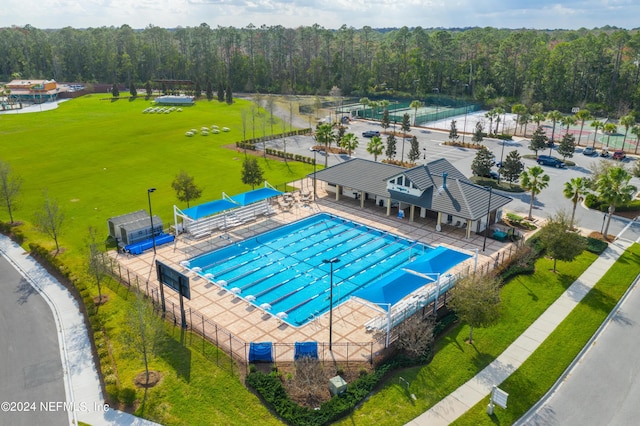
[(596, 246), (128, 396), (110, 379)]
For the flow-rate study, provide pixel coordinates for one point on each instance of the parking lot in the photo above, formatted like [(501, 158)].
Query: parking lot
[(431, 141)]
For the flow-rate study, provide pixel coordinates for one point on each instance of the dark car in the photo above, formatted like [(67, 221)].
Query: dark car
[(370, 133), (548, 160), (492, 175), (589, 151), (619, 155)]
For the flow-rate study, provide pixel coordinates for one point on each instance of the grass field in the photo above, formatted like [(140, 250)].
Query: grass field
[(97, 158)]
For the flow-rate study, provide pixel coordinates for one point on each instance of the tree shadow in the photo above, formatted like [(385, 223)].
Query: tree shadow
[(24, 291), (174, 351)]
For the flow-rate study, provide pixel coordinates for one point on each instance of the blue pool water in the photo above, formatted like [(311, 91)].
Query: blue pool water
[(283, 270)]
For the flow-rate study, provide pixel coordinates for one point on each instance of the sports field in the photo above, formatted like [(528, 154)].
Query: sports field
[(97, 157)]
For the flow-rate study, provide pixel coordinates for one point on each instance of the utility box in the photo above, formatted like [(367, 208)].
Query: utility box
[(337, 385)]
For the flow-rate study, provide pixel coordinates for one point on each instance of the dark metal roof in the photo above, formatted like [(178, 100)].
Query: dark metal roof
[(363, 175), (464, 199), (458, 196)]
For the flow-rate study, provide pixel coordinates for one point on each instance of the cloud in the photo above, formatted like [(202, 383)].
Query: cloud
[(571, 14)]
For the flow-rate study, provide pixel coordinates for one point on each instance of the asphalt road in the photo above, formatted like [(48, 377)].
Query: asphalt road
[(546, 203), (31, 381), (602, 388)]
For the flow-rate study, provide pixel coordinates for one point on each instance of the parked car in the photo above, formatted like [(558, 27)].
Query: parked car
[(492, 175), (370, 133), (605, 153), (619, 155), (548, 160), (589, 151)]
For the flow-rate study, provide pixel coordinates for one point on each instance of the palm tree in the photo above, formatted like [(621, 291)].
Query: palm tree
[(324, 135), (374, 108), (582, 115), (609, 129), (524, 120), (375, 147), (518, 110), (614, 189), (554, 116), (575, 190), (533, 180), (596, 125), (636, 131), (365, 102), (491, 115), (349, 142), (500, 111), (627, 121), (415, 105), (568, 120), (538, 118)]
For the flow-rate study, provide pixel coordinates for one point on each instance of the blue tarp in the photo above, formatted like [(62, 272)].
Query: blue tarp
[(140, 246), (260, 352), (210, 208), (306, 349), (254, 196)]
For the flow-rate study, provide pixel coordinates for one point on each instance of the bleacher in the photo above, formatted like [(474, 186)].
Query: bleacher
[(206, 226)]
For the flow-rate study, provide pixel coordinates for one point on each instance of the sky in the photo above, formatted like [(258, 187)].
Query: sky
[(138, 14)]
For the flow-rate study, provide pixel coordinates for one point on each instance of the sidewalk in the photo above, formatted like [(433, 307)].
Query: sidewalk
[(81, 380), (475, 390)]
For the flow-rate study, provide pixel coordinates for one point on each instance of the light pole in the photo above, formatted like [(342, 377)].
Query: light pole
[(331, 262), (153, 233), (314, 172), (501, 159), (486, 231)]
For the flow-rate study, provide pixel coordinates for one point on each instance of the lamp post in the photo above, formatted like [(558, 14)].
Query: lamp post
[(501, 159), (331, 262), (314, 174), (153, 233), (486, 230)]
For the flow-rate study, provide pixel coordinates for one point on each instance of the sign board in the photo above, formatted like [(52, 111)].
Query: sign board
[(499, 397), (173, 279), (575, 110)]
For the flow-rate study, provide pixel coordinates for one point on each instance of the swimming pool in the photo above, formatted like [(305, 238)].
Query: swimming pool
[(283, 270)]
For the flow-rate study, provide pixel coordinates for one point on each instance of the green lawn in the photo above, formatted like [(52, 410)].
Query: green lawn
[(97, 158), (523, 300)]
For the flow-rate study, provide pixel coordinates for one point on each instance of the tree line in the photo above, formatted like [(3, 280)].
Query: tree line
[(597, 69)]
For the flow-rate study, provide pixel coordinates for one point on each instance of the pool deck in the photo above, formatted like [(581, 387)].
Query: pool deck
[(252, 324)]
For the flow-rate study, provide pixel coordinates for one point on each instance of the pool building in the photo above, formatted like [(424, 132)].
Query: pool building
[(379, 243)]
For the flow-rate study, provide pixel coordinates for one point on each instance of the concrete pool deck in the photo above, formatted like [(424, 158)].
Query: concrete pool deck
[(251, 324)]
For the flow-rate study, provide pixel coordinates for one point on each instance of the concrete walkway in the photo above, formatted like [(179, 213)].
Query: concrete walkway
[(81, 380), (475, 390)]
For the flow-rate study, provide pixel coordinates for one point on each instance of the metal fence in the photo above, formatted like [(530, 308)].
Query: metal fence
[(341, 352)]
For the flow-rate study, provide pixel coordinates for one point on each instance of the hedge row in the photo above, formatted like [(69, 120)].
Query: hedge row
[(592, 202), (273, 393), (290, 156), (278, 136)]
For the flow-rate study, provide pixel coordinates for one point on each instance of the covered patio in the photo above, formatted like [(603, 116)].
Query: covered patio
[(436, 190)]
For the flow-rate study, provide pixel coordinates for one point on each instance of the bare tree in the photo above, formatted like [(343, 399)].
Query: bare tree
[(96, 263), (310, 381), (9, 188), (50, 218), (144, 331), (415, 336)]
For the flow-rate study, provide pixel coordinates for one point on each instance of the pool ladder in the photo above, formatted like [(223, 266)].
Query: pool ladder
[(314, 318)]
